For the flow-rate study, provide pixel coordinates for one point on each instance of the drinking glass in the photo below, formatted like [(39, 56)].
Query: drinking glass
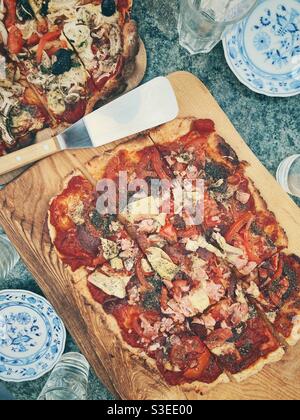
[(203, 22), (68, 380), (288, 175), (8, 255)]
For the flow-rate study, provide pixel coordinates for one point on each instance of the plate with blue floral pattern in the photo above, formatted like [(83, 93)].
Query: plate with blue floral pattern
[(264, 49), (32, 336)]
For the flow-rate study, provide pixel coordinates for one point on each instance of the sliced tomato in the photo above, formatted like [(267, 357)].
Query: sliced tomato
[(75, 112), (218, 337), (204, 126), (238, 226), (97, 294), (128, 318), (169, 233), (15, 40), (191, 356)]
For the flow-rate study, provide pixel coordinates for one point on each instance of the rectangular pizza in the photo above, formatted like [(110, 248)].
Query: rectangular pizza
[(204, 300)]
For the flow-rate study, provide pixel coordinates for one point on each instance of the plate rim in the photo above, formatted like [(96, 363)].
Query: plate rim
[(63, 338), (227, 35)]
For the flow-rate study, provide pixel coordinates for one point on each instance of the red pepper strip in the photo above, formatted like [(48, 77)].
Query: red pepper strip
[(51, 36), (279, 270), (168, 232), (249, 249), (11, 13), (164, 298), (15, 40), (158, 165), (238, 225), (140, 274)]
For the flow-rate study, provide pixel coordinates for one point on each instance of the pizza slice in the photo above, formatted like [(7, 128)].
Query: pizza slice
[(22, 114), (275, 285), (106, 43), (236, 334), (103, 37)]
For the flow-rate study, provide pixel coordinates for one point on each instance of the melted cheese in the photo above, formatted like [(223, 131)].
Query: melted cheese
[(147, 207), (162, 263), (112, 286), (201, 242), (117, 264), (80, 38), (199, 300), (56, 102)]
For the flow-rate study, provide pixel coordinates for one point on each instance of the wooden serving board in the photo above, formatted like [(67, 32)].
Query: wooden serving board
[(133, 82), (23, 214)]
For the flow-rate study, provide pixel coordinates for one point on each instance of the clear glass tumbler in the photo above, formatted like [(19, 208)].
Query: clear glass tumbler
[(288, 175), (203, 22), (8, 256), (68, 380)]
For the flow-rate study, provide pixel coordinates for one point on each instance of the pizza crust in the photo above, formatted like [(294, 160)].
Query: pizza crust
[(172, 131), (97, 166), (274, 357)]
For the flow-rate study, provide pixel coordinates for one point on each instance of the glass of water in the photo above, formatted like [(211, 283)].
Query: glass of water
[(8, 255), (288, 175), (68, 380), (203, 22)]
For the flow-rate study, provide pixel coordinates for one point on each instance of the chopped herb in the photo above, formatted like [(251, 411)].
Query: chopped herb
[(216, 171), (256, 229), (102, 222), (292, 277), (246, 349), (44, 69), (151, 301), (157, 284), (237, 333)]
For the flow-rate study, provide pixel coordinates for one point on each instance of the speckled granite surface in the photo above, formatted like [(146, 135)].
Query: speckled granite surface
[(269, 126)]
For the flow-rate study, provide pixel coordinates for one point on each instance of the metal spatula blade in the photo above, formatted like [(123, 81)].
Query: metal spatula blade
[(145, 107)]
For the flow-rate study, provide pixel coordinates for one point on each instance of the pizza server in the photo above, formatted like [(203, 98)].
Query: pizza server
[(145, 107)]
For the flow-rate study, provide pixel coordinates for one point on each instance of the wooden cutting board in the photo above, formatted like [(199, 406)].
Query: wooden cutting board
[(134, 80), (24, 205)]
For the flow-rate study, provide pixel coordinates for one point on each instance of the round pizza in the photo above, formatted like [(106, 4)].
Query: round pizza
[(73, 54)]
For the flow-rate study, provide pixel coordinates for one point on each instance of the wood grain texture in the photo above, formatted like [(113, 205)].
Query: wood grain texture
[(134, 80), (23, 214)]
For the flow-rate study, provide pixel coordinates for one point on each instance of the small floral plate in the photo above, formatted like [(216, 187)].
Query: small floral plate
[(32, 336), (264, 50)]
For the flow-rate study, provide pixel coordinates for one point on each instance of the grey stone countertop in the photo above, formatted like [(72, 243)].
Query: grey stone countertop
[(270, 126)]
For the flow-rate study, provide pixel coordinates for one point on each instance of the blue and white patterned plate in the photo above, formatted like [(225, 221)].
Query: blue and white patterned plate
[(264, 50), (32, 336)]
